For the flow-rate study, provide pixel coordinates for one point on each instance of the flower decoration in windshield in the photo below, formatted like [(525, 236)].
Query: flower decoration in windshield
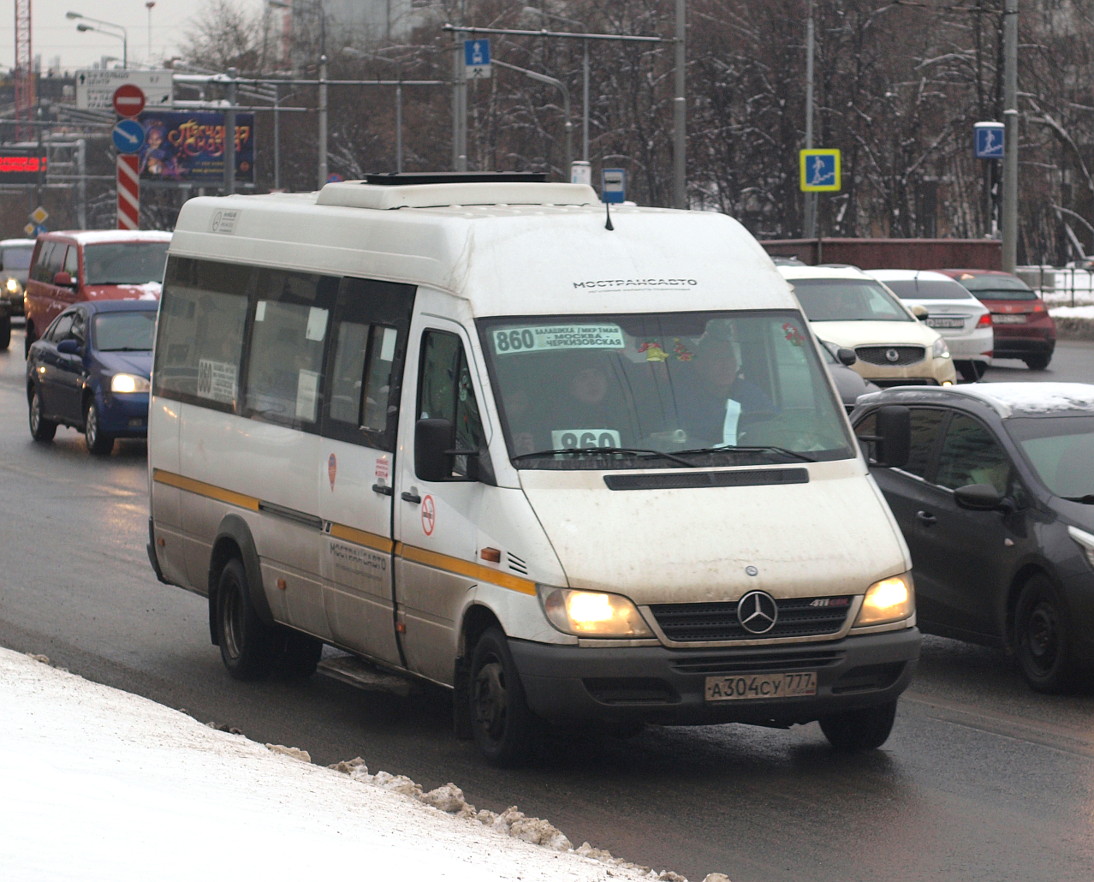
[(654, 351), (793, 335)]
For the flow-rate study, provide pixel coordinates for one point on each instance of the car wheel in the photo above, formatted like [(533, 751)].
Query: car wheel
[(1042, 638), (41, 429), (861, 729), (5, 331), (971, 371), (504, 728), (1037, 362), (248, 647), (98, 442)]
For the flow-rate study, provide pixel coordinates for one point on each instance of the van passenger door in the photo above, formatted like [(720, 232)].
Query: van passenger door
[(359, 458), (437, 521)]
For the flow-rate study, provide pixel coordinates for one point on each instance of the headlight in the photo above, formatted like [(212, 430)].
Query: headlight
[(592, 613), (12, 286), (122, 383), (889, 600), (1085, 542), (939, 349)]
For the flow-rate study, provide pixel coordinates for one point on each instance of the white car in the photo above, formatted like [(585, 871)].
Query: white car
[(952, 310), (848, 308)]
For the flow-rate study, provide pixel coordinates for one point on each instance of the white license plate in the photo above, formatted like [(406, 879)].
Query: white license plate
[(1003, 319), (946, 322), (761, 686)]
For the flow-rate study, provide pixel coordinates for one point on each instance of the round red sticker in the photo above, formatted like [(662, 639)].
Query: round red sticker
[(429, 515)]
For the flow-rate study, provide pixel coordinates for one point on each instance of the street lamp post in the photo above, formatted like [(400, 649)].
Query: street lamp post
[(84, 26)]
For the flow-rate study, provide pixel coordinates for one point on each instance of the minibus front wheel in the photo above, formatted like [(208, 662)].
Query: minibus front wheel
[(504, 729), (860, 729)]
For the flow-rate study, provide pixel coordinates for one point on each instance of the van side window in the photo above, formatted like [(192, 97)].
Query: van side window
[(285, 371), (72, 262), (446, 391), (361, 388)]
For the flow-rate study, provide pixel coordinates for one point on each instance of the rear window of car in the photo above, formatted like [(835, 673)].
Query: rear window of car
[(930, 289), (998, 288), (17, 258)]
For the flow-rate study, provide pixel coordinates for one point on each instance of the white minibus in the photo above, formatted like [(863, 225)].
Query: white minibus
[(572, 467)]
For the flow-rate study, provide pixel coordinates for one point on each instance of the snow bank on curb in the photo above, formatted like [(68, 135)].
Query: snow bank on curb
[(103, 786)]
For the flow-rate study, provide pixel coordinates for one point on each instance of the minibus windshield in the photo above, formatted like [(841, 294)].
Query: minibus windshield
[(671, 390)]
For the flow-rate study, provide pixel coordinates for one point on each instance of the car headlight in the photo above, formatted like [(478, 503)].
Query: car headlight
[(12, 286), (889, 600), (1085, 541), (123, 383), (592, 613), (939, 349)]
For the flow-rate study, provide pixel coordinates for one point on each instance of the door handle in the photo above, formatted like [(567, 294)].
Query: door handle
[(382, 489), (926, 518), (411, 496)]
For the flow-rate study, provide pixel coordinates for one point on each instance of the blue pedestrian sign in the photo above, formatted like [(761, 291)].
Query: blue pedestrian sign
[(989, 139), (820, 170), (476, 59), (128, 136)]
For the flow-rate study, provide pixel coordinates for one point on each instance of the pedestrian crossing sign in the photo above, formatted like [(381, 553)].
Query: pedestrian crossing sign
[(820, 170)]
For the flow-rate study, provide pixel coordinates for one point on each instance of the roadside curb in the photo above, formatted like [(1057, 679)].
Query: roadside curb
[(1072, 328)]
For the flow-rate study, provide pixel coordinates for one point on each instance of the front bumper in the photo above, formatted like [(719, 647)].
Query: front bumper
[(124, 416), (658, 685)]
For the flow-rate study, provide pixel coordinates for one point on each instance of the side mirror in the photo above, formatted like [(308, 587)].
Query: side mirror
[(980, 497), (69, 346), (920, 312), (64, 280), (846, 356), (893, 441), (432, 439)]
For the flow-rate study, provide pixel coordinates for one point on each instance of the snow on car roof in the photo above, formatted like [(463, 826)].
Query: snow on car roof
[(1006, 399)]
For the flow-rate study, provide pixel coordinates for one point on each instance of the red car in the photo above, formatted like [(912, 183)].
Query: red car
[(1023, 327)]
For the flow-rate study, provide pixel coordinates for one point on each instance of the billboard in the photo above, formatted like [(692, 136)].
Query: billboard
[(188, 147)]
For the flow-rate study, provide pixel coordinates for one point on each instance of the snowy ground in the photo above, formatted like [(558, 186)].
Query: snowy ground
[(98, 785)]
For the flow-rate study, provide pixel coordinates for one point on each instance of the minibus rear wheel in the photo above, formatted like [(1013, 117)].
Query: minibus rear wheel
[(861, 729), (504, 729), (248, 647)]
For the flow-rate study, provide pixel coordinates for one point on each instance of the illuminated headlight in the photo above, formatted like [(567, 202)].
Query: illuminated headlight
[(889, 600), (12, 286), (592, 613), (1085, 541), (122, 383), (939, 349)]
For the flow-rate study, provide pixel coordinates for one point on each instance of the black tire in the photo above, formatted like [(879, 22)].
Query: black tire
[(859, 730), (5, 331), (505, 730), (1037, 362), (41, 429), (298, 654), (98, 442), (248, 647), (1042, 638), (971, 371)]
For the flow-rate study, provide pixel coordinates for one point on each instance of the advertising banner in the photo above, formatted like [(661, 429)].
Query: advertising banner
[(188, 147)]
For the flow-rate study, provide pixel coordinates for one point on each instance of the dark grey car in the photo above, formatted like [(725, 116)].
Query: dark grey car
[(996, 503)]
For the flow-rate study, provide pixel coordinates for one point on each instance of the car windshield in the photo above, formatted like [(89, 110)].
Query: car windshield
[(672, 390), (998, 287), (848, 300), (125, 263), (1061, 451), (17, 258), (931, 289), (124, 331)]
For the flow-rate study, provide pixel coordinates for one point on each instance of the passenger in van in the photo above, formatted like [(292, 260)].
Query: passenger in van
[(716, 400)]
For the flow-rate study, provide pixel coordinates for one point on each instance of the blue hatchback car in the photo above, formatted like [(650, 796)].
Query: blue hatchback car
[(90, 370)]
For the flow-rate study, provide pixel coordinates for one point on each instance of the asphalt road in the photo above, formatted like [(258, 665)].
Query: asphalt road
[(981, 780)]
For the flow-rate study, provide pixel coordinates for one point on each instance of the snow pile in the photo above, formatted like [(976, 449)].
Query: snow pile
[(103, 786)]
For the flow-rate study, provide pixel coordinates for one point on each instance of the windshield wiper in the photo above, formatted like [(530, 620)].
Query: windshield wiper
[(1088, 499), (626, 451), (766, 448)]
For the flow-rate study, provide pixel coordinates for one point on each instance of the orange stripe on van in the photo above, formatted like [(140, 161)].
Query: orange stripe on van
[(361, 537), (202, 489), (464, 568)]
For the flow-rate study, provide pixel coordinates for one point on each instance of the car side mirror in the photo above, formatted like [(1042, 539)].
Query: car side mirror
[(69, 346), (981, 497), (920, 312), (846, 356), (64, 279), (892, 443)]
